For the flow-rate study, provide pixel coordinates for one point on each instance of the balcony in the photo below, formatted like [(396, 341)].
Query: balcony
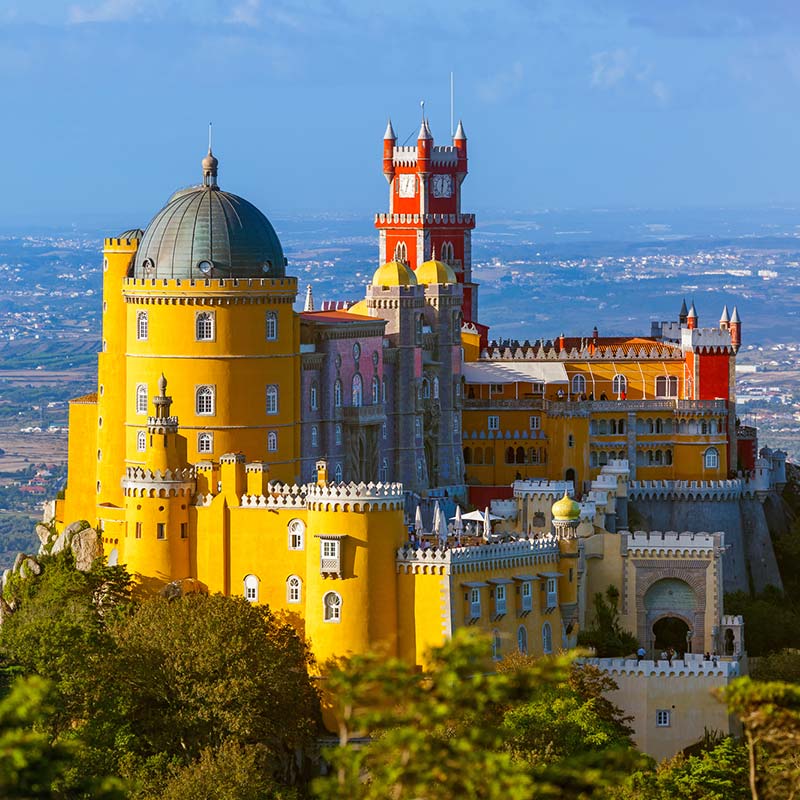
[(524, 403), (583, 407), (364, 415)]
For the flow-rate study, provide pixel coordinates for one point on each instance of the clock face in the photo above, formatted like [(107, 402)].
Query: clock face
[(442, 185), (408, 185)]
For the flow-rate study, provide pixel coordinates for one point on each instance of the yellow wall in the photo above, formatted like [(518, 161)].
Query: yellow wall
[(80, 497)]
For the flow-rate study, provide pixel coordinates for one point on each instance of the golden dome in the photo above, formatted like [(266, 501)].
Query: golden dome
[(359, 308), (566, 508), (434, 271), (394, 274)]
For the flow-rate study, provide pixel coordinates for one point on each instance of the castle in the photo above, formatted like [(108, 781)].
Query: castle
[(281, 455)]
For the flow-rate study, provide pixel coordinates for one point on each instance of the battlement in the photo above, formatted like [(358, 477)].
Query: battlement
[(671, 543), (293, 497), (730, 620), (141, 482), (691, 665), (706, 340), (588, 350), (355, 497), (456, 560), (461, 220), (112, 243), (732, 489), (288, 283), (532, 487), (232, 458)]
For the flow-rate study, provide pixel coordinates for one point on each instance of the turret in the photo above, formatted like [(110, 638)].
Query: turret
[(389, 140), (424, 147), (724, 319), (683, 313), (460, 143), (309, 303), (735, 327), (691, 318), (566, 514)]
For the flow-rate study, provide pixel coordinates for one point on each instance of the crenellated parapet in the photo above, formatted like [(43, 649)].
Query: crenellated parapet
[(690, 665), (293, 497), (550, 490), (459, 220), (543, 350), (722, 490), (141, 482), (458, 560), (356, 497), (672, 543)]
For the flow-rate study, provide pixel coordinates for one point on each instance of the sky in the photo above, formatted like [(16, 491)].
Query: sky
[(580, 104)]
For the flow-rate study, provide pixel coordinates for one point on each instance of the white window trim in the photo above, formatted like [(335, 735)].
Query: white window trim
[(141, 442), (197, 390), (251, 586), (269, 393), (663, 718), (212, 318), (289, 587), (271, 317), (493, 422), (272, 442), (142, 330), (141, 410), (296, 528), (336, 608), (205, 435)]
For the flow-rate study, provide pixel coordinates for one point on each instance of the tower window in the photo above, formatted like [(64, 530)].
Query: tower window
[(547, 638), (383, 390), (578, 384), (337, 394), (435, 388), (204, 400), (332, 607), (161, 530), (141, 326), (376, 390), (570, 440), (141, 398), (496, 646), (418, 427), (297, 529), (357, 391), (314, 436), (383, 473), (272, 399), (272, 442), (138, 530), (711, 458), (535, 423), (204, 326), (141, 441), (338, 434), (294, 589), (338, 473), (619, 385), (205, 443), (251, 589), (662, 718), (272, 326), (313, 396), (522, 640)]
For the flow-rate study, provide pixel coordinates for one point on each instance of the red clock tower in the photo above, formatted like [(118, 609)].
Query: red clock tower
[(425, 218)]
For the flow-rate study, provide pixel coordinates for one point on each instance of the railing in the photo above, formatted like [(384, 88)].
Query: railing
[(500, 605), (527, 602), (330, 564), (529, 403), (552, 599), (364, 415), (664, 404), (475, 610)]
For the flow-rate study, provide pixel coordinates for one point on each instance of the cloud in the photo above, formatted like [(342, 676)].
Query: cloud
[(501, 85), (108, 11), (610, 67), (247, 12)]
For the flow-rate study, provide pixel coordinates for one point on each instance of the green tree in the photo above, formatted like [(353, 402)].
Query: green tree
[(199, 671), (781, 666), (771, 619), (606, 635), (449, 732)]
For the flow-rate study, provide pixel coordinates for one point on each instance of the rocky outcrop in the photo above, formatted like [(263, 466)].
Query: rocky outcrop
[(182, 587)]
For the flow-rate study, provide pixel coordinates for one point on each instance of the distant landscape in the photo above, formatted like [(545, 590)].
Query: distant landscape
[(540, 274)]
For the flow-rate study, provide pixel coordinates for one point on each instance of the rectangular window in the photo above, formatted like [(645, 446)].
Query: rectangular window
[(475, 603), (138, 530), (662, 718), (493, 423), (496, 388), (527, 596), (500, 600), (552, 593), (329, 556), (330, 548), (161, 530), (535, 423), (184, 530)]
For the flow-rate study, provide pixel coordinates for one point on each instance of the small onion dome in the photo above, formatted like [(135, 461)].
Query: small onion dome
[(394, 274), (210, 163), (434, 271), (359, 308), (566, 508)]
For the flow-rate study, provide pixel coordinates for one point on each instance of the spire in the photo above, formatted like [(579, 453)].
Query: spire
[(460, 135), (724, 317), (692, 311), (390, 134), (309, 305), (735, 316), (424, 131), (684, 311), (210, 164)]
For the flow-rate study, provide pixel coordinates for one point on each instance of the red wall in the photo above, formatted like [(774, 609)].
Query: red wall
[(714, 376), (481, 496)]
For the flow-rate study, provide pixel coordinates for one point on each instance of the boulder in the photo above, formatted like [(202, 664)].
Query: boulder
[(86, 547), (44, 533), (182, 587)]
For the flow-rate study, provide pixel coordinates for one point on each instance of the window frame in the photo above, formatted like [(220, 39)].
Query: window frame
[(272, 399), (332, 611), (142, 399), (547, 638), (202, 393), (294, 590), (578, 384), (296, 534), (203, 333), (251, 587), (142, 326), (272, 441), (663, 718), (271, 326), (205, 436), (141, 441)]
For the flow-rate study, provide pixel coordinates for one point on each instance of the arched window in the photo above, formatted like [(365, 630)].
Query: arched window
[(141, 326), (426, 389), (522, 640), (313, 396), (401, 253), (547, 638), (509, 455), (711, 458), (383, 473), (704, 428), (204, 400), (205, 443), (338, 473), (296, 530), (204, 326), (418, 327), (519, 456), (272, 399), (593, 459), (337, 394), (659, 425), (417, 427), (383, 390), (603, 460), (619, 385), (314, 436), (496, 646), (294, 589), (621, 426), (272, 442), (489, 455), (435, 388), (272, 326), (332, 607), (578, 384), (376, 390), (602, 427), (251, 588), (141, 441), (338, 434), (357, 391), (141, 398), (467, 455)]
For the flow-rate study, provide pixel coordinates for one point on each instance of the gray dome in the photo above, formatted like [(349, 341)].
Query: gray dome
[(133, 233), (204, 232)]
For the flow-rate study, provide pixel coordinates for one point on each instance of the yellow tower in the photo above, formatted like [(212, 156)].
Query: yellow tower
[(566, 516), (354, 534), (157, 499)]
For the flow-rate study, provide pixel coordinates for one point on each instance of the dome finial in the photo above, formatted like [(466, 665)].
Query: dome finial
[(210, 164)]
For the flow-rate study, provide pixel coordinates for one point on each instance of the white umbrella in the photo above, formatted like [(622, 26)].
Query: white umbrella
[(418, 522), (440, 525), (487, 525), (458, 525), (479, 516)]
